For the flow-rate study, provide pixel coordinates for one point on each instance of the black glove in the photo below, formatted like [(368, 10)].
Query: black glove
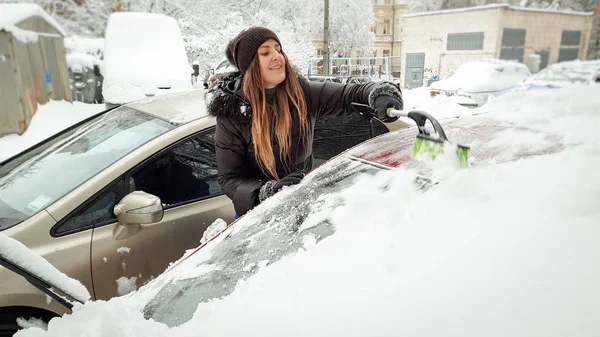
[(291, 179), (273, 186), (382, 104), (384, 96)]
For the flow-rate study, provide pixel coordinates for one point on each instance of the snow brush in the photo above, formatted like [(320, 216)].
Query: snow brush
[(428, 145)]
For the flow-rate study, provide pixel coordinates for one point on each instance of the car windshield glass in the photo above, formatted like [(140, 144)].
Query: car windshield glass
[(38, 177), (259, 240)]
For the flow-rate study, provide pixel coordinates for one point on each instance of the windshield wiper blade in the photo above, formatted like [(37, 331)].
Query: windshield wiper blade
[(35, 281)]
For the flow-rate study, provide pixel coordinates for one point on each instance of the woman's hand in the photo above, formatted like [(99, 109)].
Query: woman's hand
[(273, 186)]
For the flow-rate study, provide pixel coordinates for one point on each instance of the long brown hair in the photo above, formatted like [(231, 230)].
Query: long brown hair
[(278, 114)]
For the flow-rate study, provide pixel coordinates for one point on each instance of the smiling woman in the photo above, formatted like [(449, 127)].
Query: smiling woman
[(266, 116)]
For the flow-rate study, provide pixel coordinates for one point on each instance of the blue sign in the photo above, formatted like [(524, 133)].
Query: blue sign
[(48, 76)]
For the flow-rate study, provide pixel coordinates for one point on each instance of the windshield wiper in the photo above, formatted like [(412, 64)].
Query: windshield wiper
[(37, 282)]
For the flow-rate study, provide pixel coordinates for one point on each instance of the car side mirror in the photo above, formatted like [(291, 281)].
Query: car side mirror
[(212, 72), (135, 209)]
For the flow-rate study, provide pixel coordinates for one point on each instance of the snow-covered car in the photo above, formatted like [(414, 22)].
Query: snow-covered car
[(478, 80), (157, 64), (377, 243), (560, 75), (75, 198)]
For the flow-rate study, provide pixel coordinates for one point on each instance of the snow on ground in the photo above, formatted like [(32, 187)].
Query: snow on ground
[(32, 323), (15, 252), (49, 119), (498, 250)]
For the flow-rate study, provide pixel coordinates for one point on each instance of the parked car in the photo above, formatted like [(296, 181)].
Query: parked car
[(415, 252), (479, 79), (222, 67), (59, 197), (314, 78), (158, 64), (560, 75)]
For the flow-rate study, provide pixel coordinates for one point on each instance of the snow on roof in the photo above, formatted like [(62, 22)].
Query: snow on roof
[(458, 10), (496, 6), (12, 14)]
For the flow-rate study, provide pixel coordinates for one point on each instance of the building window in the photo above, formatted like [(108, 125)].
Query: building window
[(319, 52), (568, 54), (569, 45), (570, 38), (513, 44), (374, 29), (513, 37), (386, 27), (386, 53), (388, 2), (465, 41)]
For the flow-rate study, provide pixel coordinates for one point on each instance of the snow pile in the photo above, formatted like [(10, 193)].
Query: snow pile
[(12, 14), (571, 73), (32, 323), (84, 45), (15, 252), (49, 119), (484, 76), (157, 65), (215, 228), (126, 285), (86, 60), (496, 250)]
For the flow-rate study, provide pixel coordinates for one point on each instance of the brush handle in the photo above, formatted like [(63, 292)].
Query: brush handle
[(420, 117)]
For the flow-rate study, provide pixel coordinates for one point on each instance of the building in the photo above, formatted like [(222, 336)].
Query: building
[(388, 34), (438, 42), (594, 45), (388, 31), (33, 66)]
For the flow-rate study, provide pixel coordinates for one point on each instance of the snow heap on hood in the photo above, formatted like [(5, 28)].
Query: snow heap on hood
[(496, 250)]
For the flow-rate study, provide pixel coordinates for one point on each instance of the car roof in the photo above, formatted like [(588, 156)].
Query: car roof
[(179, 108)]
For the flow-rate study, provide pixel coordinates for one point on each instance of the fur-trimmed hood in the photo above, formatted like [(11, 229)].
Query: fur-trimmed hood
[(226, 97)]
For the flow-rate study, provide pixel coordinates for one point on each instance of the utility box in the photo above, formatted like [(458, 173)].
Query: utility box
[(533, 63), (33, 66)]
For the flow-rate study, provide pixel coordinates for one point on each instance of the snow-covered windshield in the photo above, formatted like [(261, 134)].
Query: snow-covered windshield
[(35, 179), (274, 233)]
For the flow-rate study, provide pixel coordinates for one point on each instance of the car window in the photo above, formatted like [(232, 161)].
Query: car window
[(334, 135), (98, 212), (35, 179), (185, 173)]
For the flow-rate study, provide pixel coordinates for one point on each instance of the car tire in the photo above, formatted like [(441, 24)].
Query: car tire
[(8, 319)]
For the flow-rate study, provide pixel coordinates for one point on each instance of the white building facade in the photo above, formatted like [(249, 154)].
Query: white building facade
[(436, 43)]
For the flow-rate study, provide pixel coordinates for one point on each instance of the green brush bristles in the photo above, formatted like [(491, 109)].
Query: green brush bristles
[(434, 149)]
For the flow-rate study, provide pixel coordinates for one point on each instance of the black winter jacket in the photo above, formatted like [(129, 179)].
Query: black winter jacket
[(240, 176)]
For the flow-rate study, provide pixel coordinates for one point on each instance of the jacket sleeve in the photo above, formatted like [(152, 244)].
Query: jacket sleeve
[(334, 99), (232, 166)]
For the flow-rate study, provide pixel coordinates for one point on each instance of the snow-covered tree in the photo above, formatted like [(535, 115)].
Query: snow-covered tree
[(575, 5)]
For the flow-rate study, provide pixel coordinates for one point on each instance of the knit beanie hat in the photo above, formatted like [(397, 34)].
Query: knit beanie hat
[(243, 48)]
